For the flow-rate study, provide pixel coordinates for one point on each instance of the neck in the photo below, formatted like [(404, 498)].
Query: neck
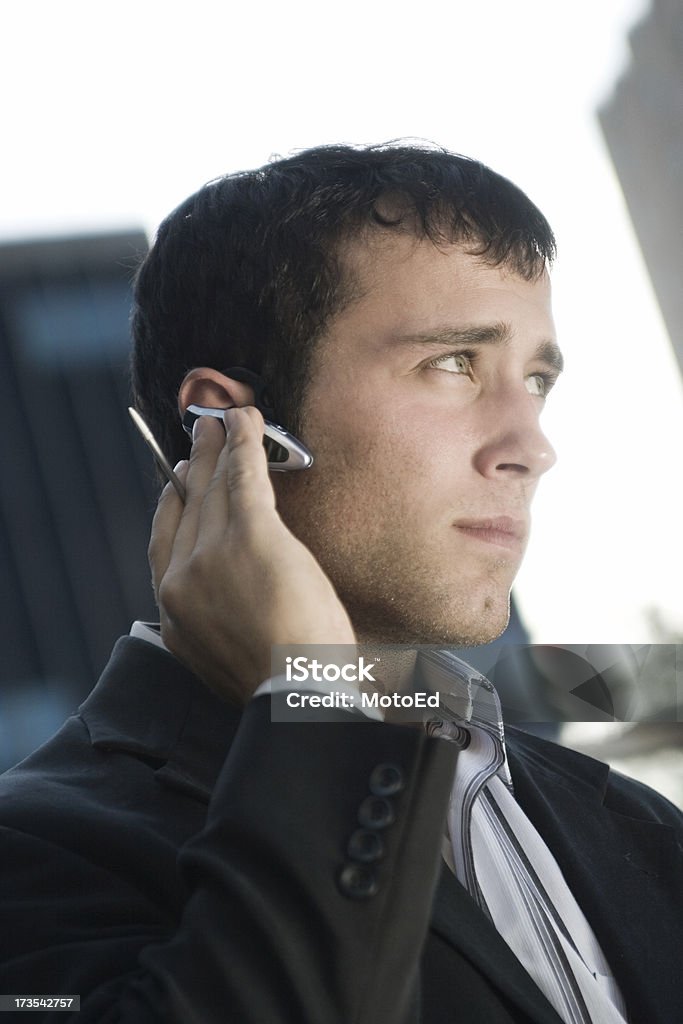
[(395, 663)]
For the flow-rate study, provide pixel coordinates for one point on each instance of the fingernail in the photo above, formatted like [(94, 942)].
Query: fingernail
[(197, 428), (229, 416), (179, 465)]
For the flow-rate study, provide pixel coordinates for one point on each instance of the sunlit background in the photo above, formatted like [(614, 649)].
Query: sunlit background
[(112, 114)]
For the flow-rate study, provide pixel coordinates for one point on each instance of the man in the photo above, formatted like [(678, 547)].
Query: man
[(200, 862)]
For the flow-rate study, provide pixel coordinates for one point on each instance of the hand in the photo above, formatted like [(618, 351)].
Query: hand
[(230, 579)]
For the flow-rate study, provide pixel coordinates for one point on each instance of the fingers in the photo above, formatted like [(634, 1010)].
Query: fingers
[(175, 525), (240, 488), (248, 479), (207, 444), (226, 480)]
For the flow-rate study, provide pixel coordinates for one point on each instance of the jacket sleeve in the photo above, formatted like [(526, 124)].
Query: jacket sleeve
[(305, 897)]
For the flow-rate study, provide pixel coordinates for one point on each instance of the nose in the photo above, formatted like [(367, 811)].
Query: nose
[(513, 442)]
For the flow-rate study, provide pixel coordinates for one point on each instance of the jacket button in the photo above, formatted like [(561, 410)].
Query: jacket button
[(357, 881), (375, 812), (386, 779), (365, 846)]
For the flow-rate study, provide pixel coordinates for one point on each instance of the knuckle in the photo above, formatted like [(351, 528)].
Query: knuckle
[(238, 437), (249, 473), (202, 562), (255, 416), (170, 593), (241, 476), (166, 591)]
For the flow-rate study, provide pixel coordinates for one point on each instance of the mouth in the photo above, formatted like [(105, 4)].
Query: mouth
[(503, 531)]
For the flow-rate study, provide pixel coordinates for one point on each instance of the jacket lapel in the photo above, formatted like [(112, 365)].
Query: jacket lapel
[(458, 920), (623, 870)]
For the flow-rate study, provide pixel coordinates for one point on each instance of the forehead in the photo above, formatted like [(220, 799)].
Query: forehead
[(404, 285)]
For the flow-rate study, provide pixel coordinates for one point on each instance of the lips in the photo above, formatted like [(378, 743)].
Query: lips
[(501, 530)]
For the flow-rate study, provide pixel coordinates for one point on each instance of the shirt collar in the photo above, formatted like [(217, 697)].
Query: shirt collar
[(149, 631)]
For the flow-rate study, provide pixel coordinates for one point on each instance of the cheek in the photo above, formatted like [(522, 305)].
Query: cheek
[(430, 449), (417, 451), (349, 436)]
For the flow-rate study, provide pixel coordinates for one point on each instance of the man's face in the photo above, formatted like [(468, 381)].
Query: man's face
[(423, 417)]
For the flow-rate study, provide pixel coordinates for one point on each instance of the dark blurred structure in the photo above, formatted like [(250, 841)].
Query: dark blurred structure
[(77, 484), (643, 125)]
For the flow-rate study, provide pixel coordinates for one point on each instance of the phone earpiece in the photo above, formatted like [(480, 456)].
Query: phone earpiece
[(284, 451)]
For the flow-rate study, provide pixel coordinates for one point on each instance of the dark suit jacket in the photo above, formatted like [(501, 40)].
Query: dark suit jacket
[(171, 860)]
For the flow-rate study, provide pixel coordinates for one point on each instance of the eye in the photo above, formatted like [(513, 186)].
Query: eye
[(540, 383), (454, 362)]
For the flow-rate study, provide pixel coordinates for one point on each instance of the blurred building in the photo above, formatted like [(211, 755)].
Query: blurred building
[(642, 122), (76, 488), (643, 125)]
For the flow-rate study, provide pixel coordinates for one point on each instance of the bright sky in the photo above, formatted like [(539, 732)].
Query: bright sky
[(114, 113)]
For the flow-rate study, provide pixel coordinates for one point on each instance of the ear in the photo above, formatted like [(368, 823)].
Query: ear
[(212, 389)]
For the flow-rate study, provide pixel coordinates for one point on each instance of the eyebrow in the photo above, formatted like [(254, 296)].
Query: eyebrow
[(498, 333)]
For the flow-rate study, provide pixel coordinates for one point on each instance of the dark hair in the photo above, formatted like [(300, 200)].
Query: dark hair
[(247, 271)]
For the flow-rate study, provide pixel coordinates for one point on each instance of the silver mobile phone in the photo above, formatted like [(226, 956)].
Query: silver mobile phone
[(285, 452)]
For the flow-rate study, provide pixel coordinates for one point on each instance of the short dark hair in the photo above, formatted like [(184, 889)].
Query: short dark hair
[(247, 271)]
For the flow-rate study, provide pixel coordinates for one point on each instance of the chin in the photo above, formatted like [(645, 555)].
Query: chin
[(427, 608), (488, 625), (458, 629), (473, 628)]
